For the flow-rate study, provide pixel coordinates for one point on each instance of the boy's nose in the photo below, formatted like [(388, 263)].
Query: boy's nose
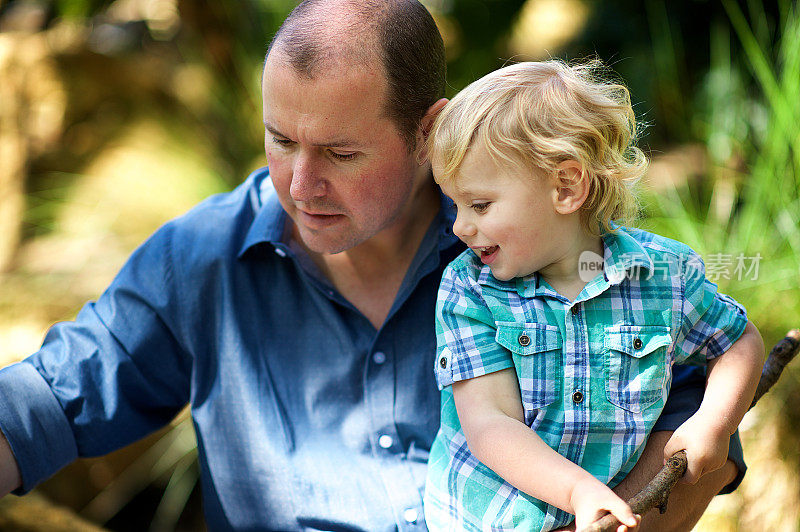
[(463, 228)]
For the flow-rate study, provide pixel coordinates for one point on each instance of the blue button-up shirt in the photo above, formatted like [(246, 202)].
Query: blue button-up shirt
[(307, 418)]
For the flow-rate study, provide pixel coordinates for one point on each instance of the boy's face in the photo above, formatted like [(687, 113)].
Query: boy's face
[(506, 216)]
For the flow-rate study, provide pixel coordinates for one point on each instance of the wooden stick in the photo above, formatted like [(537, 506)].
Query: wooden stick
[(656, 493)]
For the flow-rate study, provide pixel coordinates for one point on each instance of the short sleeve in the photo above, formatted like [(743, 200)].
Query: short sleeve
[(465, 332), (709, 322)]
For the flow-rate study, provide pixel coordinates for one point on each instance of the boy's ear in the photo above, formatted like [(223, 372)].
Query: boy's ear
[(571, 187), (425, 127), (430, 115)]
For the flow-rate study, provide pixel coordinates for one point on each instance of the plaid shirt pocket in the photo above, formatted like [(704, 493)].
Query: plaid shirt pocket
[(536, 351), (636, 365)]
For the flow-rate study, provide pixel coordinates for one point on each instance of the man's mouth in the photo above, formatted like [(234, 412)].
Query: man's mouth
[(318, 220)]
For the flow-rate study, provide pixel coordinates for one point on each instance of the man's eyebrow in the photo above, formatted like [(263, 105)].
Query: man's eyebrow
[(337, 143), (274, 131)]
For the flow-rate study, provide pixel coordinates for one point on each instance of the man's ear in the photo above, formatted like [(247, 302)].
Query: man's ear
[(571, 187), (425, 127)]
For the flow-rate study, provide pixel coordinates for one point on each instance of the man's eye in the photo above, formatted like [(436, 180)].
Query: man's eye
[(281, 142), (480, 208), (343, 156)]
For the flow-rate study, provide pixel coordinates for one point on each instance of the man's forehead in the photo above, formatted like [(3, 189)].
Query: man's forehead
[(344, 91), (334, 70), (326, 53)]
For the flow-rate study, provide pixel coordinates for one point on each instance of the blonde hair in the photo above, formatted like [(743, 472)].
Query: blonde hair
[(540, 114)]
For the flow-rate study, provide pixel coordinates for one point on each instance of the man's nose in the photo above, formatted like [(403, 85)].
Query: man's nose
[(307, 181)]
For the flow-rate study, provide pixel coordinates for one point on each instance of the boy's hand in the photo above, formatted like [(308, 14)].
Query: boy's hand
[(705, 442), (591, 500)]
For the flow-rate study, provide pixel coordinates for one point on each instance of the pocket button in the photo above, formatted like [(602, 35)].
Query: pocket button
[(637, 343), (524, 340)]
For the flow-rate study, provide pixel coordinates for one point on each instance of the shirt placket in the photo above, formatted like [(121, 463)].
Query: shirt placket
[(380, 385), (576, 383)]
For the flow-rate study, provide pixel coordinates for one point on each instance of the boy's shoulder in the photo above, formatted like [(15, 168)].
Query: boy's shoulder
[(658, 246)]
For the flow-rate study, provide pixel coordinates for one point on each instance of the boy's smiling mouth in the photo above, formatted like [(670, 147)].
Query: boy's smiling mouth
[(487, 253)]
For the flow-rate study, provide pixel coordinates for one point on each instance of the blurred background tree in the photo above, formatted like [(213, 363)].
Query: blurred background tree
[(118, 115)]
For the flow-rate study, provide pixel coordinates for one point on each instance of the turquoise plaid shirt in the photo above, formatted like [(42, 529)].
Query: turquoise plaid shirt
[(593, 374)]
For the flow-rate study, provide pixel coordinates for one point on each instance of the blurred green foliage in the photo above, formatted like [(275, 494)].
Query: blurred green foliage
[(748, 205), (661, 49)]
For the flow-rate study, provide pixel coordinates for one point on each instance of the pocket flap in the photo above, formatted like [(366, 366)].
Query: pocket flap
[(636, 340), (527, 338)]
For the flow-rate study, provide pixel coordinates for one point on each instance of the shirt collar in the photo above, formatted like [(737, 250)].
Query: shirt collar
[(621, 253), (270, 218), (446, 218), (528, 286)]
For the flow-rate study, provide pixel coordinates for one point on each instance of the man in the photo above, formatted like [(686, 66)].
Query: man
[(294, 314)]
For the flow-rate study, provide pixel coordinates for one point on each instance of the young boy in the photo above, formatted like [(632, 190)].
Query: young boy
[(552, 379)]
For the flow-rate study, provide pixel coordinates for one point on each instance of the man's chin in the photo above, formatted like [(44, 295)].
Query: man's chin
[(327, 242)]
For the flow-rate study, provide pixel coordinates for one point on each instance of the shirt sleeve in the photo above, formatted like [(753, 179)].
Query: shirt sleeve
[(109, 378), (709, 322), (465, 332)]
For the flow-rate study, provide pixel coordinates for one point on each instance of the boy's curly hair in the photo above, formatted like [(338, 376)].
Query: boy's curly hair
[(540, 114)]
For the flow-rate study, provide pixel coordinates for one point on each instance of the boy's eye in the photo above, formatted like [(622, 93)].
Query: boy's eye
[(480, 208), (281, 142)]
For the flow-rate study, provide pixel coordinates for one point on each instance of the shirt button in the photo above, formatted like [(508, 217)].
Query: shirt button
[(637, 343), (577, 396), (385, 441), (379, 357), (524, 340), (411, 515), (575, 309), (443, 362)]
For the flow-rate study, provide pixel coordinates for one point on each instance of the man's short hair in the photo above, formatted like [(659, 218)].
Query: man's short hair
[(407, 41)]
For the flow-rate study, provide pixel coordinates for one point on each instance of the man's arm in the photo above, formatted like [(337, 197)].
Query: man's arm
[(687, 502), (730, 387), (10, 478), (108, 378)]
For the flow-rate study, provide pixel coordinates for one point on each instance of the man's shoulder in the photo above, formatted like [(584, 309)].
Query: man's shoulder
[(218, 226), (218, 212)]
